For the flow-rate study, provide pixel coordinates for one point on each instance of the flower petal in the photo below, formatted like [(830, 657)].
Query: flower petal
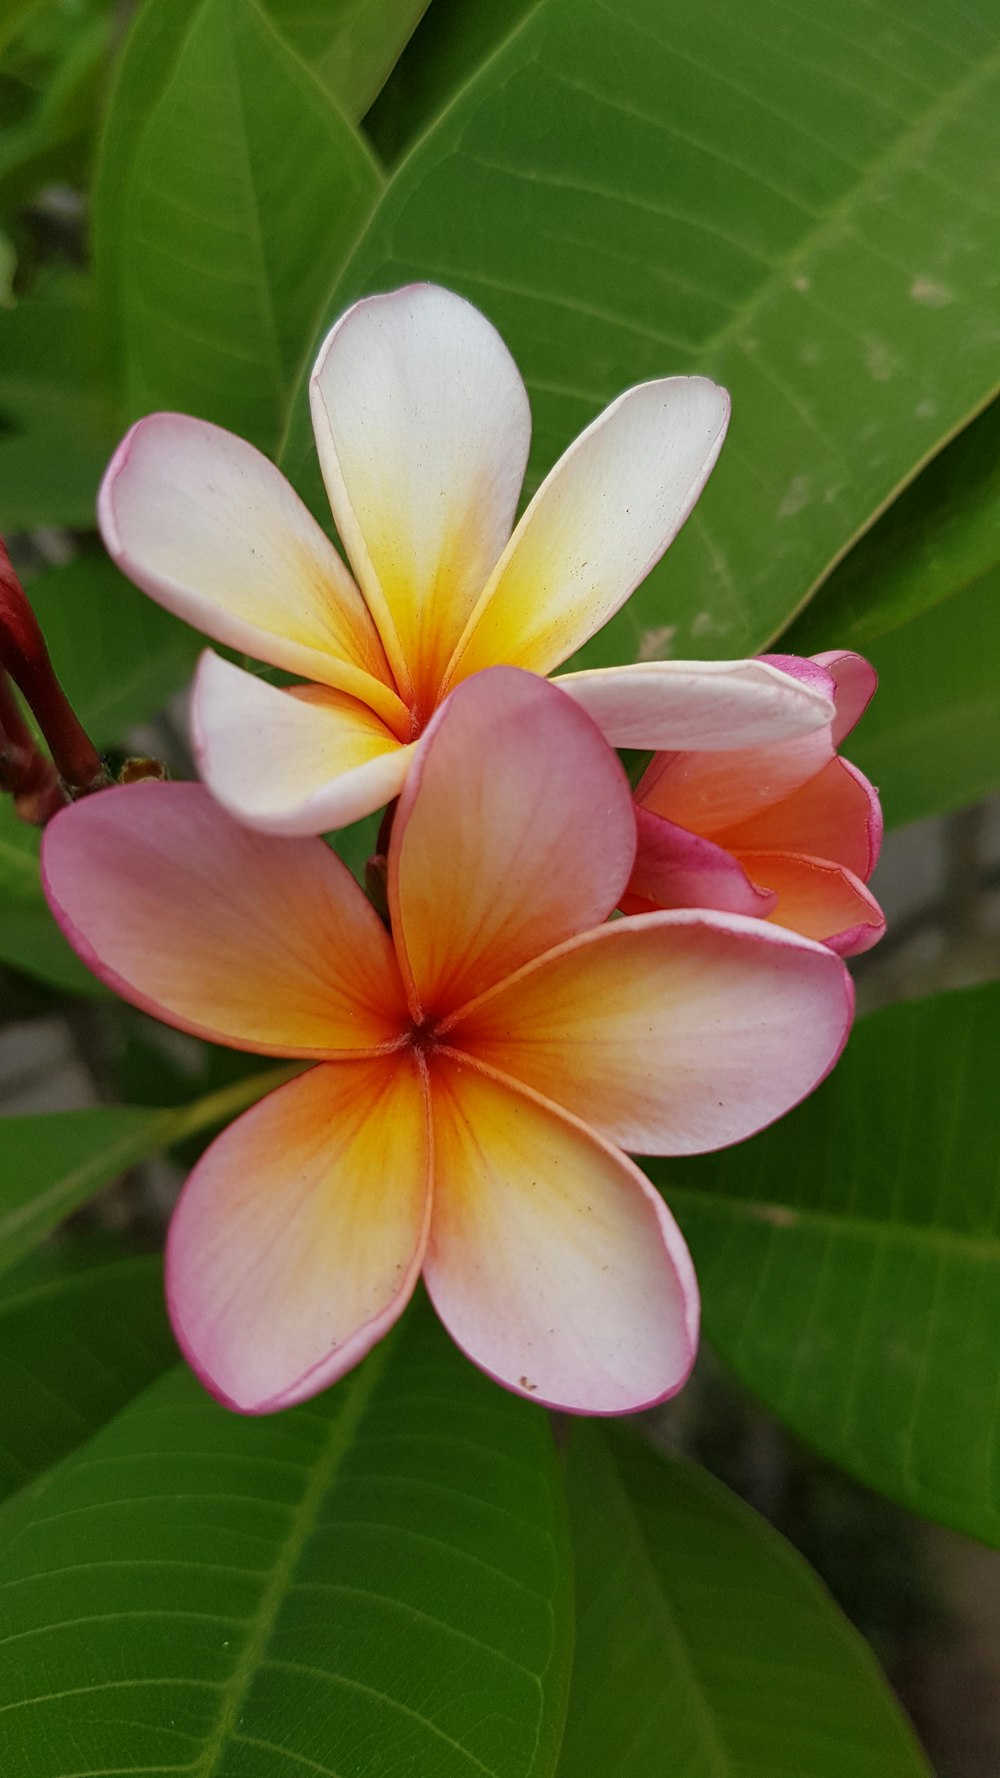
[(670, 1033), (422, 426), (296, 762), (514, 830), (299, 1236), (677, 869), (835, 816), (600, 521), (820, 899), (714, 793), (264, 945), (856, 681), (551, 1260), (209, 528), (697, 704)]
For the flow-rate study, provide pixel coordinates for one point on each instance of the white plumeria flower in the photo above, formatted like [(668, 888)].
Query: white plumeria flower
[(422, 426)]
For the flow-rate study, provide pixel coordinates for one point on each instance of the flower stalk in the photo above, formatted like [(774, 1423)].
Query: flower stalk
[(39, 786)]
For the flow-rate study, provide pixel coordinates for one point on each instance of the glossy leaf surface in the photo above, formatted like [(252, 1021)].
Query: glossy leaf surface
[(379, 1577), (82, 1331), (247, 188), (849, 1258), (799, 206)]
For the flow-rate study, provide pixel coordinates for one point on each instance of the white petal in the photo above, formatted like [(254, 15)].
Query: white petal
[(422, 427), (293, 762), (599, 522)]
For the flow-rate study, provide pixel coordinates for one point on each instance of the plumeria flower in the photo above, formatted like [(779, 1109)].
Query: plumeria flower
[(789, 832), (476, 1073), (422, 427)]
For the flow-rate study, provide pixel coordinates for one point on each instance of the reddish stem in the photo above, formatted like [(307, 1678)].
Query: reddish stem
[(25, 773), (25, 657)]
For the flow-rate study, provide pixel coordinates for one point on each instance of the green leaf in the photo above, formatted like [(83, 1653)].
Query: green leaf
[(57, 426), (454, 39), (52, 1162), (794, 208), (246, 191), (706, 1647), (81, 1334), (849, 1258), (119, 656), (378, 1579), (937, 539), (931, 737), (350, 45)]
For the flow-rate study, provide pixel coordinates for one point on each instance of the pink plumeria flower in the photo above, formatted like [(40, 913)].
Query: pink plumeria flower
[(789, 832), (477, 1073), (422, 427)]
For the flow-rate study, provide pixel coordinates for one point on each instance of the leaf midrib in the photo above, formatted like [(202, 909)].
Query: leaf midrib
[(791, 1217), (305, 1518)]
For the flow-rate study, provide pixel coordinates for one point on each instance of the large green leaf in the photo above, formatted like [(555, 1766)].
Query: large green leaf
[(379, 1580), (804, 209), (849, 1258), (56, 421), (118, 655), (706, 1648), (350, 45), (81, 1333), (931, 737), (246, 191), (454, 39), (350, 39), (937, 539), (52, 1162)]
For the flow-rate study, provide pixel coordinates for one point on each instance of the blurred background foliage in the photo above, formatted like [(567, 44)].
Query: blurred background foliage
[(804, 204)]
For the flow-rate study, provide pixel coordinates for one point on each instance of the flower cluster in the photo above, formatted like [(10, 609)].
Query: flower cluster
[(566, 974)]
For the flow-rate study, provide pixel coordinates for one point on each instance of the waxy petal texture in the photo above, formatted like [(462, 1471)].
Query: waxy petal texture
[(713, 792), (219, 930), (856, 683), (299, 1236), (822, 900), (423, 426), (670, 1033), (551, 1261), (600, 521), (514, 831), (835, 816), (698, 704), (209, 528), (293, 762), (677, 869)]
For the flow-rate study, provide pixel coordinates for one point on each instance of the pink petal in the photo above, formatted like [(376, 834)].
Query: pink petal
[(856, 681), (551, 1260), (676, 869), (597, 525), (835, 816), (299, 1236), (422, 426), (713, 793), (293, 762), (698, 704), (264, 945), (209, 528), (822, 900), (670, 1033), (514, 830)]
